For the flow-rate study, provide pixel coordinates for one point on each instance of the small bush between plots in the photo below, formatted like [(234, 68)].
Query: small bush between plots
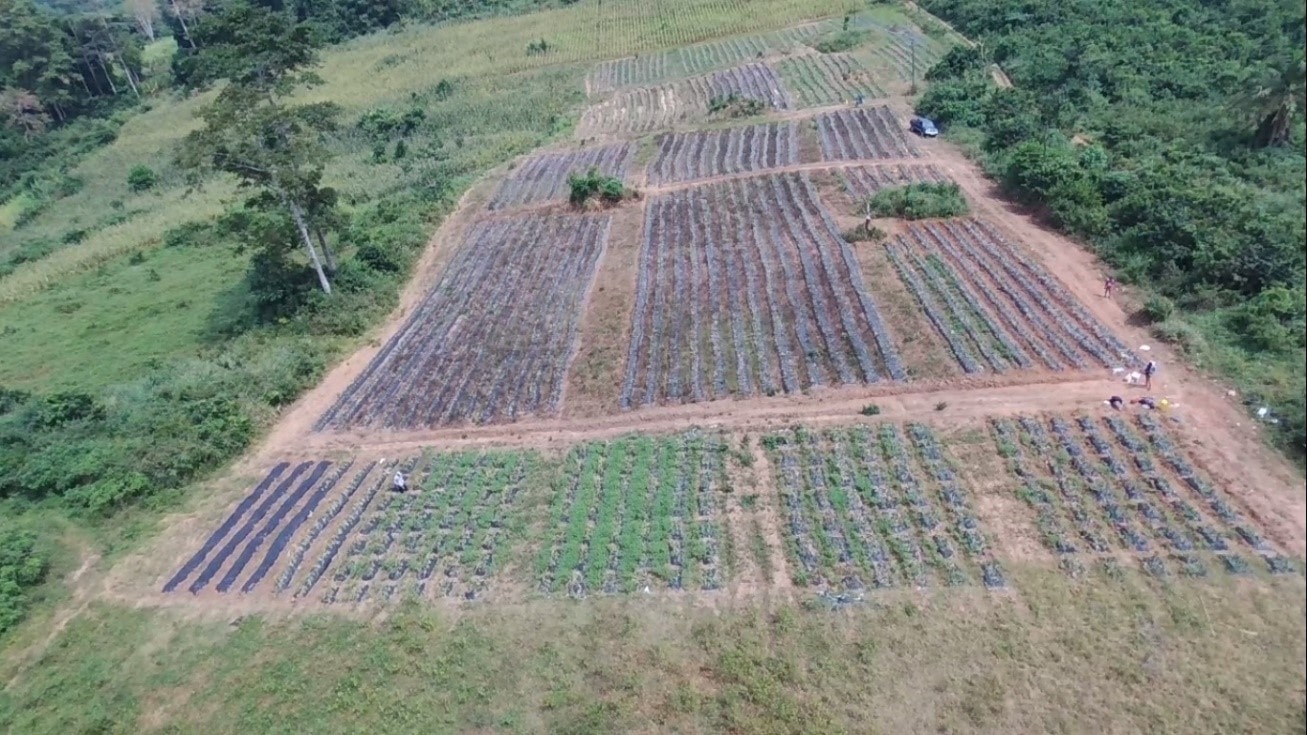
[(733, 105), (921, 200), (870, 409), (842, 41), (862, 233), (141, 178), (594, 185)]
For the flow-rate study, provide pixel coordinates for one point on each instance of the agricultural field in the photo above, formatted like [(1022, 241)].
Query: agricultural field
[(472, 354), (994, 306), (652, 109), (1102, 486), (818, 80), (864, 133), (900, 50), (445, 537), (543, 178), (638, 512), (654, 68), (862, 182), (876, 506), (705, 154), (747, 287)]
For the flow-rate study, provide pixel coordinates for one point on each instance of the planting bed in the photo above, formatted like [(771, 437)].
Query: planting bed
[(492, 340), (876, 507), (996, 308), (690, 60), (649, 109), (1119, 484), (747, 287), (895, 46), (543, 178), (827, 79), (863, 133), (636, 512), (861, 182), (444, 537), (688, 156)]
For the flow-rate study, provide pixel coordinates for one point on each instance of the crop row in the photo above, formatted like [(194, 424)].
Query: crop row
[(993, 306), (870, 503), (827, 79), (635, 512), (543, 177), (861, 182), (687, 61), (863, 133), (492, 340), (649, 109), (895, 47), (1096, 488), (445, 537), (700, 155), (747, 287)]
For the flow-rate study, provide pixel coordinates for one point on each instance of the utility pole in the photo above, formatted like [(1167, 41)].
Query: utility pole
[(912, 41)]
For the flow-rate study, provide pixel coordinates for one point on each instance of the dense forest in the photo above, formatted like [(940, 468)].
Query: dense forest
[(1170, 135)]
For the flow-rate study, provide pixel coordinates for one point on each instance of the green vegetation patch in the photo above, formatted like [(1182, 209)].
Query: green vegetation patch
[(920, 200)]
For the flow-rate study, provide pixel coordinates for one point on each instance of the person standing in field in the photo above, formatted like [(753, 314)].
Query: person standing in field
[(1109, 285), (401, 483), (1149, 371)]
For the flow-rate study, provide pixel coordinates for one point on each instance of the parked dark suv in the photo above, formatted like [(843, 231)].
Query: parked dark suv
[(923, 127)]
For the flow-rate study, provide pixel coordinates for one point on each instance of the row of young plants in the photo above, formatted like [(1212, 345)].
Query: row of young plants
[(1018, 296), (863, 133), (491, 340), (636, 512), (755, 271), (651, 109), (445, 537), (1089, 500), (862, 182), (869, 503), (827, 79), (687, 61), (543, 177), (704, 154)]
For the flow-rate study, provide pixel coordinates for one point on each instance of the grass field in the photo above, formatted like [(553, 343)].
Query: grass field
[(1063, 655)]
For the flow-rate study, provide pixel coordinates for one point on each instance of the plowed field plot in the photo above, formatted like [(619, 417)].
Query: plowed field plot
[(995, 307), (688, 156), (683, 62), (861, 182), (543, 178), (827, 79), (876, 506), (635, 512), (650, 109), (338, 533), (1102, 486), (746, 287), (862, 134), (492, 340), (901, 50)]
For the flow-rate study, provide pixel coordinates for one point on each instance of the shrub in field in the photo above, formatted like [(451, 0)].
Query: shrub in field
[(870, 409), (922, 200), (141, 178), (734, 105), (1181, 334), (593, 185), (842, 41), (1158, 308), (863, 233), (21, 567)]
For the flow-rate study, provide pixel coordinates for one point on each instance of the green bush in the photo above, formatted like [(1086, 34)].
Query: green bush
[(1158, 308), (594, 185), (733, 105), (845, 40), (870, 409), (21, 567), (141, 178), (861, 233), (1182, 335), (921, 200)]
